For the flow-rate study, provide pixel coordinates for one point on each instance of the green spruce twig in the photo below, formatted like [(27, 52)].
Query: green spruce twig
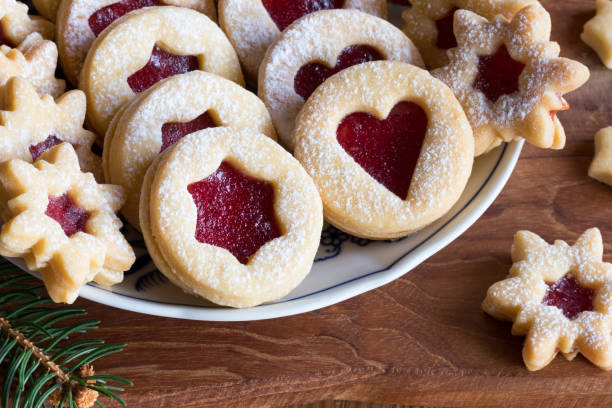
[(39, 366)]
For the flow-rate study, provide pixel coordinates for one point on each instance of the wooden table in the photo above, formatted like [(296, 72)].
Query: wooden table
[(421, 340)]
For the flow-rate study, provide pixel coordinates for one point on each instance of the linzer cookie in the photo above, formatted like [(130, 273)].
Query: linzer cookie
[(79, 22), (559, 297), (388, 147), (148, 45), (252, 25), (168, 111), (62, 223), (228, 215), (318, 46), (31, 125), (16, 24), (597, 32), (430, 23), (509, 78)]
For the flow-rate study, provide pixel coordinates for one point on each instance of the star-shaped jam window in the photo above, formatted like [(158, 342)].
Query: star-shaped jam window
[(509, 78), (559, 297)]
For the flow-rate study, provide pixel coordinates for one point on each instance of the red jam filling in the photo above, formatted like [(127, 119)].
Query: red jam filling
[(387, 149), (564, 106), (310, 76), (174, 131), (70, 216), (235, 211), (102, 18), (285, 12), (498, 74), (568, 295), (38, 149), (446, 36), (162, 64)]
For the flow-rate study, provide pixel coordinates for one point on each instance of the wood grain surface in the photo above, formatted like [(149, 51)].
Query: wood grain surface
[(421, 340)]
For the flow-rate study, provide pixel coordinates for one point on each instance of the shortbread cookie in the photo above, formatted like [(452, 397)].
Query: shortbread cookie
[(601, 167), (62, 223), (168, 111), (509, 78), (35, 60), (597, 32), (388, 147), (559, 296), (79, 22), (16, 24), (171, 40), (227, 214), (252, 25), (316, 47), (429, 23), (31, 125)]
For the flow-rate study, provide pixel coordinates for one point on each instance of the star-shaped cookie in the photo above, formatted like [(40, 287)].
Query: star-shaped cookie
[(597, 32), (30, 124), (62, 223), (16, 24), (559, 296), (601, 166), (509, 78), (35, 60)]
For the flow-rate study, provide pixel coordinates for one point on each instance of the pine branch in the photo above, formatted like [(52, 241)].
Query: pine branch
[(41, 368)]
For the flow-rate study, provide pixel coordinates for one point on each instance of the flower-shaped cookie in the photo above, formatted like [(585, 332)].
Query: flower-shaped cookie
[(35, 59), (16, 24), (63, 223), (430, 23), (601, 166), (597, 32), (559, 296), (509, 79), (30, 125)]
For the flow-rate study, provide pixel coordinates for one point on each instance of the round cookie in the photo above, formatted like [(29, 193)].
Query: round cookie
[(301, 58), (252, 25), (149, 124), (79, 22), (174, 197), (170, 40), (409, 173)]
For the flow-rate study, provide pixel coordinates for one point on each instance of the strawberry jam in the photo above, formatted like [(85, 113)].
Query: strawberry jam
[(162, 64), (498, 74), (174, 131), (564, 106), (387, 149), (102, 18), (38, 149), (285, 12), (70, 216), (310, 76), (446, 36), (568, 295), (235, 211)]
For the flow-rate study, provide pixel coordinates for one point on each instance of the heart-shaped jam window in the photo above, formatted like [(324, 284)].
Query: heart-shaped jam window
[(235, 211), (103, 17), (568, 295), (172, 132), (39, 148), (446, 36), (311, 75), (162, 64), (387, 149), (70, 216), (498, 74), (285, 12)]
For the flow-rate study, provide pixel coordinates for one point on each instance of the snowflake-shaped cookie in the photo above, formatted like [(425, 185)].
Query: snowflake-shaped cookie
[(509, 78), (559, 296), (429, 23), (35, 59), (601, 166), (597, 32), (30, 125), (62, 223), (16, 24)]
